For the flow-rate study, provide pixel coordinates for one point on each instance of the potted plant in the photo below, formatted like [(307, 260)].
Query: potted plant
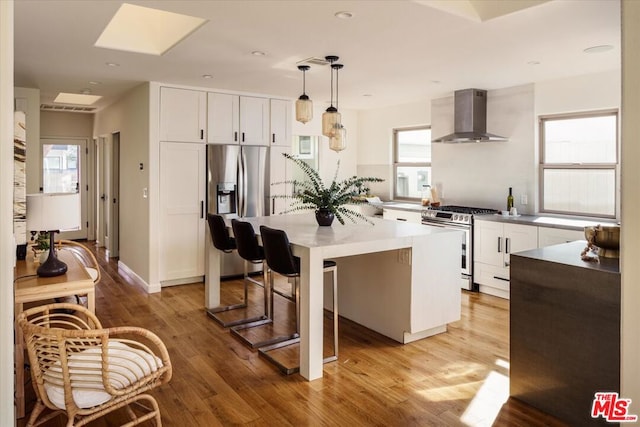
[(330, 201), (41, 245)]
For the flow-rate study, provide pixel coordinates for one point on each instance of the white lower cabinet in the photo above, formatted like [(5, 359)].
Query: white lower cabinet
[(400, 215), (493, 243), (548, 236), (182, 211)]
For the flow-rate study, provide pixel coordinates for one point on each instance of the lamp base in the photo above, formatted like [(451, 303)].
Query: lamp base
[(52, 266)]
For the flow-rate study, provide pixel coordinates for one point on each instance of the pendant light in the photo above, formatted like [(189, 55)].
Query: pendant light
[(304, 106), (338, 140), (330, 117)]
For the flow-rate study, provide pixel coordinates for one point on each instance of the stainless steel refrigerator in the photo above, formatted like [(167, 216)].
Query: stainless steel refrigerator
[(237, 186)]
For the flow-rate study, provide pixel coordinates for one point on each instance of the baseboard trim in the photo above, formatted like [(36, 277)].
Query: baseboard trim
[(137, 279)]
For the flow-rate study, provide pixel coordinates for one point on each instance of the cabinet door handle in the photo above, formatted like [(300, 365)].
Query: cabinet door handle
[(235, 136), (401, 219), (201, 133), (273, 206), (273, 138), (507, 249), (242, 136), (500, 278), (201, 209), (499, 244)]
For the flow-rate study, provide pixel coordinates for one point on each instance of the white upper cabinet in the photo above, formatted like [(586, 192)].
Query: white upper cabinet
[(223, 118), (183, 115), (281, 116), (234, 119), (254, 121)]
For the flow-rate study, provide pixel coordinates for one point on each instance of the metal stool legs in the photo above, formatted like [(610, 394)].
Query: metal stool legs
[(212, 312), (295, 338)]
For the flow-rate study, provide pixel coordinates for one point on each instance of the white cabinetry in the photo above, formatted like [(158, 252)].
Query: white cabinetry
[(281, 117), (182, 115), (548, 236), (400, 215), (182, 221), (493, 242), (234, 119), (223, 118), (279, 171)]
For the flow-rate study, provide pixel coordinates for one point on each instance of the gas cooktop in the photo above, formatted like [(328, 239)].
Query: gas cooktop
[(464, 210)]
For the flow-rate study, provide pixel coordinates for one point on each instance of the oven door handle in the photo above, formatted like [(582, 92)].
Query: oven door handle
[(451, 226)]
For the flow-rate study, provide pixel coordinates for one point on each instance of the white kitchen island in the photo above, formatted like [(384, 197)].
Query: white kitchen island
[(399, 279)]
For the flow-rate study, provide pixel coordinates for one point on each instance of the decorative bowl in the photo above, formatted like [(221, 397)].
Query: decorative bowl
[(605, 238)]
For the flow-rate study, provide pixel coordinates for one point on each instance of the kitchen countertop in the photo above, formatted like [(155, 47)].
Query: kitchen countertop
[(536, 220), (545, 221)]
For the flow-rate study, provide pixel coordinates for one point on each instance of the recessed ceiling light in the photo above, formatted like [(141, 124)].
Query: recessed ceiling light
[(435, 82), (95, 83), (533, 63), (367, 94), (598, 49), (344, 14), (112, 64), (258, 53), (146, 30), (207, 76), (76, 98)]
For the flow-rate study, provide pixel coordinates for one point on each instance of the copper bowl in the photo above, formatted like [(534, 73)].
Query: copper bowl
[(605, 238)]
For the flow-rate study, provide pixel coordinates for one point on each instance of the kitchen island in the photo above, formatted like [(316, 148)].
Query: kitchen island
[(564, 330), (399, 279)]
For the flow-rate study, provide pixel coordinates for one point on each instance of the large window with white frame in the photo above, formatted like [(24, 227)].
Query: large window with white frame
[(579, 163), (412, 161)]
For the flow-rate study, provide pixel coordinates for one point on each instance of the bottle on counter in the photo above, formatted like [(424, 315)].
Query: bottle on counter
[(510, 199)]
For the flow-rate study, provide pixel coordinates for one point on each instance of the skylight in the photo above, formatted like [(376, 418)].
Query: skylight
[(145, 30), (76, 98)]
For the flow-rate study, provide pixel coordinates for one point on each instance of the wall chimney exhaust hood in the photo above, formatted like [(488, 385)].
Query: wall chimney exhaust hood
[(470, 118)]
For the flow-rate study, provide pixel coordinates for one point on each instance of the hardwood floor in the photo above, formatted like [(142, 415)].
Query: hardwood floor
[(456, 378)]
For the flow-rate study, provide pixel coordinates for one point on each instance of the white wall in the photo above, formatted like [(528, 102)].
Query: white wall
[(630, 244), (7, 249), (375, 144), (130, 117), (480, 174), (31, 98), (65, 124)]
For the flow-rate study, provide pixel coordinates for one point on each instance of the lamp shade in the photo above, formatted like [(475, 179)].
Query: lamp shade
[(53, 211), (304, 109), (330, 119), (338, 141)]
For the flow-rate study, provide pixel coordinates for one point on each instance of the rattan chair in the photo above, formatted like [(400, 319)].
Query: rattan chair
[(89, 262), (280, 259), (86, 371)]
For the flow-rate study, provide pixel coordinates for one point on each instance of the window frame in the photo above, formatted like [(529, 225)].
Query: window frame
[(615, 166), (397, 164)]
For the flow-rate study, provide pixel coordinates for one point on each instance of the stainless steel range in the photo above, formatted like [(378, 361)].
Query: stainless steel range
[(458, 218)]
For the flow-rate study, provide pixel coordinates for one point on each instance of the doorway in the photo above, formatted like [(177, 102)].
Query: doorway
[(108, 185), (64, 170)]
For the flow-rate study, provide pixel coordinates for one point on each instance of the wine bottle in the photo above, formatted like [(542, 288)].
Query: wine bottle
[(510, 199)]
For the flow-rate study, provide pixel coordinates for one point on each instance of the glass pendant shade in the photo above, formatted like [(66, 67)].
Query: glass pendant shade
[(330, 119), (304, 109), (338, 141)]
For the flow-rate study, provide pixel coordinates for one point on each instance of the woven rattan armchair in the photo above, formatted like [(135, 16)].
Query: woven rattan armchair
[(86, 371)]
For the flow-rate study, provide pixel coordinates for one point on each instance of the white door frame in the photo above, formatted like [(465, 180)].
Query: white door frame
[(114, 200), (83, 182)]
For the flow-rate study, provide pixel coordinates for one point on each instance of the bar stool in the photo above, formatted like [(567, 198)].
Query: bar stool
[(223, 242), (253, 253), (280, 259)]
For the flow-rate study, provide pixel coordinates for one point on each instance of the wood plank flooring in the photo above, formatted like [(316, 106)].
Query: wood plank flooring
[(459, 378)]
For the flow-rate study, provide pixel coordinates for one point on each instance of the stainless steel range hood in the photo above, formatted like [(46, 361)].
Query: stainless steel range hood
[(470, 118)]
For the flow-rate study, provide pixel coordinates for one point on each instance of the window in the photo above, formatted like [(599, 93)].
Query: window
[(578, 164), (412, 161)]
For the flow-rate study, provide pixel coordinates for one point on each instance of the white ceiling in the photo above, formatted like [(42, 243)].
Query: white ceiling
[(396, 51)]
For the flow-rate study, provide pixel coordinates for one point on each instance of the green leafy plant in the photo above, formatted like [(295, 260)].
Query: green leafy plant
[(313, 194), (42, 240)]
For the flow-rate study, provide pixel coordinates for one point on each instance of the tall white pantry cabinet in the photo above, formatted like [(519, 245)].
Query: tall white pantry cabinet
[(189, 119)]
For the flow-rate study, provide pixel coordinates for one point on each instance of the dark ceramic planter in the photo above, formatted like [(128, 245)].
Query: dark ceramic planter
[(324, 217)]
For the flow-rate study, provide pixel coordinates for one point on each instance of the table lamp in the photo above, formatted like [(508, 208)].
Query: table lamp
[(53, 212)]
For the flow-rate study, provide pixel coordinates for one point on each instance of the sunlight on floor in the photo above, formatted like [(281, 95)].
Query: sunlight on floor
[(487, 402)]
